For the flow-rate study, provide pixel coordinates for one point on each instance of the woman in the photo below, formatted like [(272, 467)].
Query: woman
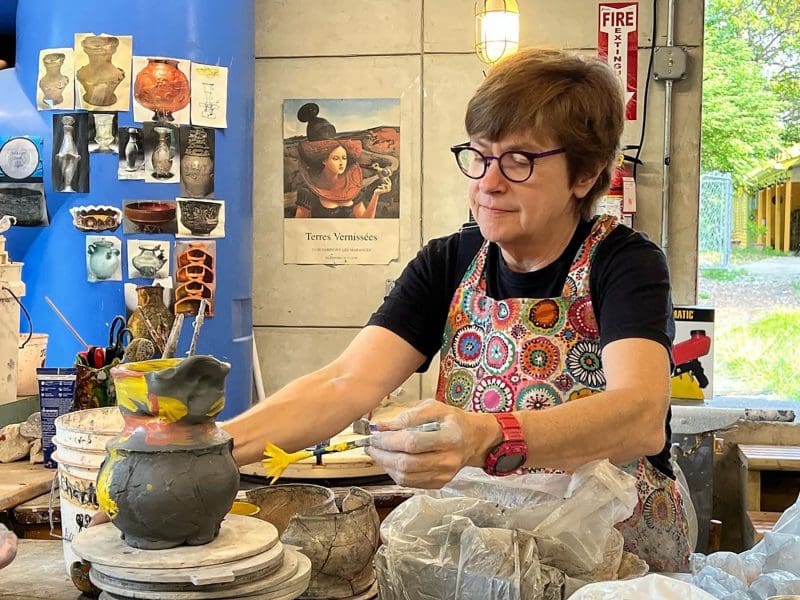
[(554, 328), (332, 178)]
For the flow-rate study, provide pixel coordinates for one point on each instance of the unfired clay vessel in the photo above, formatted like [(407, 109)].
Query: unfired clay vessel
[(340, 539), (169, 478)]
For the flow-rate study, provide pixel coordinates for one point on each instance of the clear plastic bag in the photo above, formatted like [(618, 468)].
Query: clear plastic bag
[(652, 587), (522, 541)]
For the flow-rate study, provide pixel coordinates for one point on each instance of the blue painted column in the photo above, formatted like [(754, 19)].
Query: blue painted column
[(204, 31)]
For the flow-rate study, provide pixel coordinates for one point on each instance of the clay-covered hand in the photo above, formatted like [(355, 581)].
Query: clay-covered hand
[(8, 546), (425, 459)]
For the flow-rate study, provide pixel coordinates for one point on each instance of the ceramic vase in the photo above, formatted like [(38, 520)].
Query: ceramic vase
[(340, 540), (149, 260), (103, 258), (162, 155), (151, 319), (199, 217), (53, 82), (197, 165), (169, 478), (103, 131), (132, 149), (162, 87), (67, 157), (100, 77)]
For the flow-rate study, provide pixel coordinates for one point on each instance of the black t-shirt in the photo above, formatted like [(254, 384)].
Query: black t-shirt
[(628, 283)]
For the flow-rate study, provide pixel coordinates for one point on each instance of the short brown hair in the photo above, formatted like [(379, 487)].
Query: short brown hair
[(576, 101)]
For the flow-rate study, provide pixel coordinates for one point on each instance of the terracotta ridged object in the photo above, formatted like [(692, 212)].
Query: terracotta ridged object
[(195, 276)]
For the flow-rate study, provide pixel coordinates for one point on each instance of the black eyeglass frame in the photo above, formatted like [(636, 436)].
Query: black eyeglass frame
[(531, 156)]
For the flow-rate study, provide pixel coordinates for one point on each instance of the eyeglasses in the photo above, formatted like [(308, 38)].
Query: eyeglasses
[(515, 165)]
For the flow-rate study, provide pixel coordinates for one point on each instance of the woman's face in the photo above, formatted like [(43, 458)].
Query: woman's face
[(336, 162), (514, 215)]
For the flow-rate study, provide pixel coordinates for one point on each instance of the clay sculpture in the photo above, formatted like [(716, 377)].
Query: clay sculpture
[(169, 478)]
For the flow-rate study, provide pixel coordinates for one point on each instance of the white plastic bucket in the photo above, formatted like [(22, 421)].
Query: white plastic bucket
[(81, 439), (31, 357)]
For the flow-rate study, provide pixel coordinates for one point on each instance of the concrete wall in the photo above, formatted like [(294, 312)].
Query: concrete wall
[(422, 52)]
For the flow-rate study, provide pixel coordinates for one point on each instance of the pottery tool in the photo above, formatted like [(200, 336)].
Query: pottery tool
[(174, 336), (364, 427), (277, 460), (198, 323), (72, 330)]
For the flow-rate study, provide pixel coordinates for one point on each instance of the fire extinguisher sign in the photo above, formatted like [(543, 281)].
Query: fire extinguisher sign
[(617, 44)]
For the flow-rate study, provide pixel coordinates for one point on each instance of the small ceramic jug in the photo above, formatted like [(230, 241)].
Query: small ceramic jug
[(103, 258)]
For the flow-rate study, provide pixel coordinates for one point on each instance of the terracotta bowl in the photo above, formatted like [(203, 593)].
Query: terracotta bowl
[(150, 212)]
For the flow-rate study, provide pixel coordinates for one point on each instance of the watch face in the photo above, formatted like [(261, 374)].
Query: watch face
[(509, 462)]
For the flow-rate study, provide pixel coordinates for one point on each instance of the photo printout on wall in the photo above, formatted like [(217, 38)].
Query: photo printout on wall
[(341, 181), (25, 202), (201, 218), (131, 153), (197, 161), (56, 81), (70, 161), (150, 216), (209, 95), (161, 90), (148, 259), (103, 71), (195, 276), (103, 258), (103, 133), (161, 158), (21, 180), (96, 218)]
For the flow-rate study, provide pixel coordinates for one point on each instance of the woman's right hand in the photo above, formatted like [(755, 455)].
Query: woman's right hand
[(8, 546)]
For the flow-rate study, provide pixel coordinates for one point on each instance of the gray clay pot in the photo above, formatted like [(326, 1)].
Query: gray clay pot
[(169, 478)]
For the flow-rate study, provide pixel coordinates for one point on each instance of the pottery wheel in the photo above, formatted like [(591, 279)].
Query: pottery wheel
[(289, 581), (264, 564), (239, 537)]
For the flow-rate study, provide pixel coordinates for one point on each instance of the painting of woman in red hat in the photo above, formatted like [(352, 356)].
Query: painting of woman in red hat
[(331, 181)]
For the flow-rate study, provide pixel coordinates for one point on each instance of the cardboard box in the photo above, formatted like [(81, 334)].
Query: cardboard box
[(693, 353)]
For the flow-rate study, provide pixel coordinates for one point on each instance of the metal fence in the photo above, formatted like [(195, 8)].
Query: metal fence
[(716, 219)]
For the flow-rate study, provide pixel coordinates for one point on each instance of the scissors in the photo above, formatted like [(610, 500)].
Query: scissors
[(116, 339)]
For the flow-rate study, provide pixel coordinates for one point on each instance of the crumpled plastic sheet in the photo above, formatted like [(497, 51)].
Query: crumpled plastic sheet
[(490, 547), (769, 568), (650, 587)]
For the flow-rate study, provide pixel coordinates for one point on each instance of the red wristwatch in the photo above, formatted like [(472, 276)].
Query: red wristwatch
[(510, 454)]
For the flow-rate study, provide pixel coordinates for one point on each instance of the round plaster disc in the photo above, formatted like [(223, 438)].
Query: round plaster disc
[(239, 537), (276, 586), (19, 158), (265, 563)]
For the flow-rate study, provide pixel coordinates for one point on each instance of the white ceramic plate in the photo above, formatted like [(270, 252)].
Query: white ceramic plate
[(19, 158)]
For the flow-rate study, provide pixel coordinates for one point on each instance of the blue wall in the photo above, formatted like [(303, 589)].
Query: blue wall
[(205, 31)]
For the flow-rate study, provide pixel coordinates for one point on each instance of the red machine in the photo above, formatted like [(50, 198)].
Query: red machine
[(686, 356)]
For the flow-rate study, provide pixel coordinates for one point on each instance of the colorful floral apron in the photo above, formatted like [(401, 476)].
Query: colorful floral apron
[(533, 353)]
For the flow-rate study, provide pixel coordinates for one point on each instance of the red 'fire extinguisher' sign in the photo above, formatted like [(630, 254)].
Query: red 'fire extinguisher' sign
[(617, 44)]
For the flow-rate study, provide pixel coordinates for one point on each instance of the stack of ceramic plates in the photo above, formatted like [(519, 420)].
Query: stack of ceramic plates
[(246, 560)]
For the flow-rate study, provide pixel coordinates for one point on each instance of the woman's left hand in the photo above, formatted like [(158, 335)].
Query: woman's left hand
[(425, 459)]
